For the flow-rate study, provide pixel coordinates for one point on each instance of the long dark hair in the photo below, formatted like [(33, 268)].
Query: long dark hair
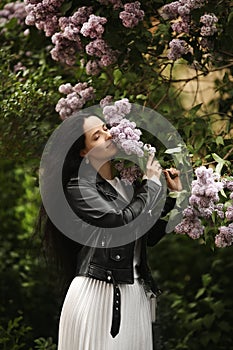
[(59, 250)]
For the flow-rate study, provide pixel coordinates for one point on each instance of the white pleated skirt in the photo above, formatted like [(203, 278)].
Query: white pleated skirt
[(86, 317)]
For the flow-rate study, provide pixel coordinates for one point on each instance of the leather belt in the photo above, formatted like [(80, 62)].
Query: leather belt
[(107, 276)]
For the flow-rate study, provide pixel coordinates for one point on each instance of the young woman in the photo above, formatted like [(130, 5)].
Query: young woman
[(106, 306)]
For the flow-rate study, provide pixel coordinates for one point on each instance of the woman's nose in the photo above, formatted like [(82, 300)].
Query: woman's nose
[(108, 135)]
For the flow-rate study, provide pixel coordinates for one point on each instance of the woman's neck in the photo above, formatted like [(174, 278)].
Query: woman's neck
[(105, 170)]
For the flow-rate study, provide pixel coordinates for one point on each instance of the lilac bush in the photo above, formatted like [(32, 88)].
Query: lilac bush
[(82, 32), (210, 211), (186, 27)]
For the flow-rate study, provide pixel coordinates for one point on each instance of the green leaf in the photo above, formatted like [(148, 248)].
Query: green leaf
[(219, 140), (200, 292), (208, 320)]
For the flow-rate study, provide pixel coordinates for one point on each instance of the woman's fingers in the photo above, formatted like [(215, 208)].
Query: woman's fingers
[(153, 167)]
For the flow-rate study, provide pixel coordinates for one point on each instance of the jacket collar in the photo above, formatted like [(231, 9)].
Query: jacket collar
[(104, 186)]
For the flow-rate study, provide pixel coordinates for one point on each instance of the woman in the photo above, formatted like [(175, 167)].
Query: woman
[(106, 306)]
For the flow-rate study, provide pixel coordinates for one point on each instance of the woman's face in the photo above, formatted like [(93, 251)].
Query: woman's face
[(98, 140)]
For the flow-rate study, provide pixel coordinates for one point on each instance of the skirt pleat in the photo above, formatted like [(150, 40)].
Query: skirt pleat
[(86, 317)]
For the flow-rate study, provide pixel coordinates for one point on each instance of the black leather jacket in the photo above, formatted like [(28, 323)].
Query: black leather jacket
[(101, 209)]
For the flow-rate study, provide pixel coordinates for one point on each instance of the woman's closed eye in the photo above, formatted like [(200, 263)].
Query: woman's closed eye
[(97, 133)]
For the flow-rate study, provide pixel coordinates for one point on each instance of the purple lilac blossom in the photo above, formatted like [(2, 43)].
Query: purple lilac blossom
[(14, 10), (149, 149), (132, 14), (209, 24), (225, 236), (180, 8), (123, 131), (107, 100), (43, 14), (190, 226), (76, 98), (65, 50), (100, 48), (92, 67), (114, 113), (177, 49), (229, 213), (93, 28), (203, 203)]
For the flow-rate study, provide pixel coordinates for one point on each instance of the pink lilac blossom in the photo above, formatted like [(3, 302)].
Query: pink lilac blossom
[(70, 26), (132, 14), (203, 202), (180, 8), (205, 191), (149, 149), (177, 49), (19, 67), (93, 28), (191, 226), (123, 131), (67, 41), (114, 113), (181, 27), (100, 49), (229, 213), (92, 67), (76, 98), (225, 236), (209, 24), (65, 50), (228, 184), (127, 137), (14, 10), (43, 14), (107, 100), (128, 174)]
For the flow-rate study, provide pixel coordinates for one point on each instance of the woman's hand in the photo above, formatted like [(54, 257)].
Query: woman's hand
[(153, 167), (172, 177)]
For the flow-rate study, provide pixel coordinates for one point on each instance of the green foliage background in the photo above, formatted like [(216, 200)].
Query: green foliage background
[(195, 310)]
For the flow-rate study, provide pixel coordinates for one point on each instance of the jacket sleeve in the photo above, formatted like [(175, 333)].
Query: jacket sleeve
[(91, 205), (158, 230)]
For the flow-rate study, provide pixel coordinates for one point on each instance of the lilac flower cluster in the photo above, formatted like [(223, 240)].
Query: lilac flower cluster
[(209, 24), (68, 42), (128, 174), (115, 113), (13, 10), (93, 27), (132, 14), (76, 98), (204, 202), (177, 49), (179, 12), (104, 55), (205, 191), (43, 14), (181, 8), (124, 132), (225, 236), (68, 32), (125, 135)]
